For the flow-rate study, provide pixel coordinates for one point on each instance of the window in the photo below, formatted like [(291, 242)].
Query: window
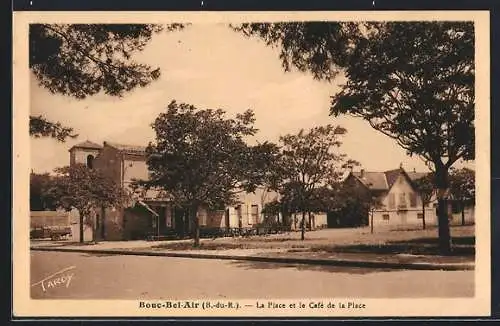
[(254, 215), (385, 217), (392, 201), (402, 200), (413, 199), (420, 216), (90, 161)]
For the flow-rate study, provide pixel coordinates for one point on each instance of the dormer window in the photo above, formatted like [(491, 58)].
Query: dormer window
[(90, 161)]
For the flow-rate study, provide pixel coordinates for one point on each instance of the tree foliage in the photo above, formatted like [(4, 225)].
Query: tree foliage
[(426, 190), (425, 187), (201, 158), (85, 189), (40, 197), (412, 81), (463, 188), (463, 185), (320, 48), (310, 160), (41, 127), (81, 60)]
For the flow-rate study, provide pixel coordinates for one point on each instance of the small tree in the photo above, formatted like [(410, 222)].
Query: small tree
[(425, 188), (463, 188), (310, 161), (40, 197), (201, 159), (356, 200), (84, 189)]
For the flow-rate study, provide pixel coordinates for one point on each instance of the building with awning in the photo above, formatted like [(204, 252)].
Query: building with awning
[(151, 212)]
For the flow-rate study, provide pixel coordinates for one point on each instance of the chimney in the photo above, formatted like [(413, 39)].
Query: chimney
[(401, 165), (414, 170), (362, 173)]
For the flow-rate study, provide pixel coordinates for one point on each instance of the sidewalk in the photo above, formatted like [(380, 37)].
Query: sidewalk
[(303, 256)]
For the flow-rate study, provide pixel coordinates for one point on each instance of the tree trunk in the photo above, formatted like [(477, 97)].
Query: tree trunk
[(310, 221), (81, 226), (371, 222), (462, 205), (102, 230), (423, 215), (193, 211), (443, 221), (303, 226)]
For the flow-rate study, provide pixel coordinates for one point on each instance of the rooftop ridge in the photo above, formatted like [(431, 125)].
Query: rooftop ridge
[(86, 144), (127, 147)]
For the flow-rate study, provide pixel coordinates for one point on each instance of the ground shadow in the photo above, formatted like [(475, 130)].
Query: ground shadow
[(308, 267), (462, 246), (94, 254)]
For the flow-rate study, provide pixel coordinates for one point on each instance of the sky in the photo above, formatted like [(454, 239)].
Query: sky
[(211, 66)]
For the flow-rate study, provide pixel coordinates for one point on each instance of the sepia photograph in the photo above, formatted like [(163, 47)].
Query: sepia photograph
[(251, 164)]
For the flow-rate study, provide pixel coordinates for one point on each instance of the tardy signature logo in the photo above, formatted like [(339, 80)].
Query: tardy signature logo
[(62, 277)]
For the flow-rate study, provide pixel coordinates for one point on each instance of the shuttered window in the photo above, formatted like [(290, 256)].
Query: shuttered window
[(402, 200)]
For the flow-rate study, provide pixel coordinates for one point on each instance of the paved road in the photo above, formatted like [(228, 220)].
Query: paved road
[(90, 276)]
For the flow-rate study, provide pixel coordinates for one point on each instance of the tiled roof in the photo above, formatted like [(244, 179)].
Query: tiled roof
[(87, 144), (384, 180), (129, 149), (391, 176), (416, 175), (372, 180)]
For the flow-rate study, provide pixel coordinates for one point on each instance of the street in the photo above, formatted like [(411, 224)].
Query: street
[(57, 275)]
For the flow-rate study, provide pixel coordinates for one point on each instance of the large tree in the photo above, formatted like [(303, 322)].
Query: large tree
[(202, 160), (86, 190), (463, 188), (412, 81), (311, 160), (81, 60)]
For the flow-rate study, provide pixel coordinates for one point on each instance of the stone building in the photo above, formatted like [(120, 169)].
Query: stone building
[(151, 213)]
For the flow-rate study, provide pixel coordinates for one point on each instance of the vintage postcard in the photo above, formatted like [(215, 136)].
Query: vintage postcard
[(251, 164)]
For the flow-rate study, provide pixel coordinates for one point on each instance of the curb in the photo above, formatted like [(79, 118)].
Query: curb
[(283, 260)]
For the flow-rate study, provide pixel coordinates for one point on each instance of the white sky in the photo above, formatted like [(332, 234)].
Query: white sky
[(210, 66)]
